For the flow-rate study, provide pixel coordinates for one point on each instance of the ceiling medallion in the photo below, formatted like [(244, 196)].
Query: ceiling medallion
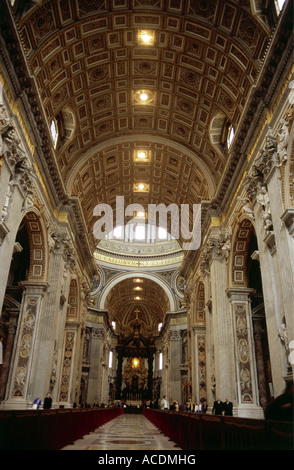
[(140, 215), (141, 188), (145, 97), (142, 156), (146, 37)]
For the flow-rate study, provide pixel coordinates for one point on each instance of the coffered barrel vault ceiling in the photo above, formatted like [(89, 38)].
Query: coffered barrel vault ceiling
[(89, 66), (143, 299)]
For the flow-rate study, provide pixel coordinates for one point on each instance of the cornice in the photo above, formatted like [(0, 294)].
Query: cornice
[(272, 70)]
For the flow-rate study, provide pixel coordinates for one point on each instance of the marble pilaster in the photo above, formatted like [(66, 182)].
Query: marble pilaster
[(94, 394), (221, 324), (284, 244), (247, 400), (199, 376), (67, 377), (175, 345), (51, 336), (22, 375)]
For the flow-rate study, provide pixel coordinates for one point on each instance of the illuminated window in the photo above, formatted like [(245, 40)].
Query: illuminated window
[(118, 232), (140, 232), (110, 360), (162, 233), (231, 134), (54, 132), (159, 326), (160, 361), (280, 4), (113, 324)]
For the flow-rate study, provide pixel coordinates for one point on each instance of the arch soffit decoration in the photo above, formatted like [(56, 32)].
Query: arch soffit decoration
[(38, 270), (238, 265), (120, 278), (199, 310), (73, 307)]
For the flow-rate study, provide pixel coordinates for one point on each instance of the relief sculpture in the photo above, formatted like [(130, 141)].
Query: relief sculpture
[(243, 353)]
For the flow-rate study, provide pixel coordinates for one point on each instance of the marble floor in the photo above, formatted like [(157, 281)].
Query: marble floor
[(126, 432)]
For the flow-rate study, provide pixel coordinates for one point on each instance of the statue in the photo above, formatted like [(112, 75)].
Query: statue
[(283, 140), (263, 199), (246, 207)]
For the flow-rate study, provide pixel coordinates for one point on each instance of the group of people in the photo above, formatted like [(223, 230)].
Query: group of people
[(37, 403), (200, 407), (222, 407), (219, 407)]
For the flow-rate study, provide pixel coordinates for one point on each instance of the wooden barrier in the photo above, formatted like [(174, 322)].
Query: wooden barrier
[(193, 431), (50, 429)]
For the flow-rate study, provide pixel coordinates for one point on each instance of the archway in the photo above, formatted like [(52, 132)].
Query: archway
[(138, 274), (28, 264), (246, 275)]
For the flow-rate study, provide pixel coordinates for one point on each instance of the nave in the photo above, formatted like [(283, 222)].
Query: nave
[(125, 432)]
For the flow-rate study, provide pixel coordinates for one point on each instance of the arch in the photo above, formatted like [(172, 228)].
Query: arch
[(119, 278), (70, 177), (217, 133), (73, 300), (38, 251), (66, 123), (199, 311), (240, 245), (288, 170)]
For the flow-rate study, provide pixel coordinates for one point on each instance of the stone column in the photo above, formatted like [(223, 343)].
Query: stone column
[(284, 245), (174, 372), (275, 248), (22, 374), (221, 321), (210, 370), (244, 354), (96, 350), (51, 331)]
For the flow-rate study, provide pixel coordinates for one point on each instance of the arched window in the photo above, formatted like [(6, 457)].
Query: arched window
[(54, 132), (279, 5), (139, 232), (230, 136)]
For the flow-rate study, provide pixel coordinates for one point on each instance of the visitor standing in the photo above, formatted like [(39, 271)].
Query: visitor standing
[(218, 407), (47, 402)]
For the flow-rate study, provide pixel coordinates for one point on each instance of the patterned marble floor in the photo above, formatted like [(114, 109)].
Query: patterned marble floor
[(126, 432)]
